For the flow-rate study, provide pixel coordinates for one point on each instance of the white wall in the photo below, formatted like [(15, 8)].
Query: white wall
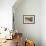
[(6, 13), (31, 31), (43, 22)]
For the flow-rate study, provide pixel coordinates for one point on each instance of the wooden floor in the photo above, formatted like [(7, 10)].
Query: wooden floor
[(9, 43)]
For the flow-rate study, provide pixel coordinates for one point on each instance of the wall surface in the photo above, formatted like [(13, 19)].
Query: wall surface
[(43, 22), (30, 31), (6, 13), (6, 16)]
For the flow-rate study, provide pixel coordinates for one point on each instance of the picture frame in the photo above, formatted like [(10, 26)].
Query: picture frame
[(28, 19)]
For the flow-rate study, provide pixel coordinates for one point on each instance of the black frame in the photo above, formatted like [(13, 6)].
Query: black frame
[(29, 15)]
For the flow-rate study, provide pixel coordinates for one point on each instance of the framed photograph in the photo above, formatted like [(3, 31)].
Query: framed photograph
[(28, 19)]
